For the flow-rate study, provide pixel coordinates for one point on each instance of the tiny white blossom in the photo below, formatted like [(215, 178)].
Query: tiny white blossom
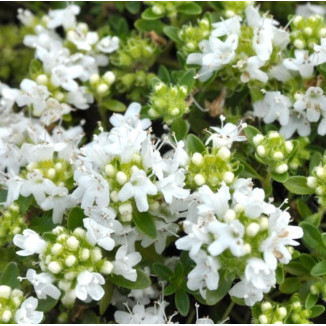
[(108, 44), (89, 286), (30, 242), (63, 17), (27, 313), (302, 63)]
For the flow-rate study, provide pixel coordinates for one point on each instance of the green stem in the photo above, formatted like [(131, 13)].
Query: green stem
[(102, 112), (228, 310), (191, 316)]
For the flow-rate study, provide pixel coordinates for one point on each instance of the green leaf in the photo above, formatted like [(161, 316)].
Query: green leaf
[(35, 68), (298, 185), (172, 33), (75, 218), (49, 236), (161, 270), (149, 14), (319, 269), (178, 274), (290, 285), (188, 79), (311, 300), (164, 74), (281, 178), (213, 297), (296, 268), (3, 195), (317, 310), (307, 261), (24, 203), (182, 302), (113, 105), (315, 159), (106, 300), (323, 238), (311, 235), (280, 274), (190, 9), (315, 218), (90, 317), (144, 222), (143, 281), (251, 132), (303, 208), (149, 25), (47, 304), (194, 144), (43, 223), (133, 6), (10, 276), (180, 127), (170, 289)]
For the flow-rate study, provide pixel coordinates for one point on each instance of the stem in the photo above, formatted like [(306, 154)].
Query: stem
[(102, 112), (228, 310), (191, 316)]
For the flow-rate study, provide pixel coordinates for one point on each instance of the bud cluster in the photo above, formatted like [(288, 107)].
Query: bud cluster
[(10, 301), (101, 85), (168, 102), (274, 151)]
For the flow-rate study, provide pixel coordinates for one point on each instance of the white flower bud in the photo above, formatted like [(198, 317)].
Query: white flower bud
[(80, 232), (246, 248), (102, 89), (17, 301), (152, 113), (157, 10), (320, 191), (261, 150), (94, 78), (64, 285), (288, 146), (5, 291), (83, 27), (54, 267), (297, 20), (84, 254), (266, 306), (322, 32), (72, 243), (126, 218), (175, 111), (70, 276), (57, 230), (228, 177), (58, 166), (278, 156), (238, 208), (70, 260), (197, 159), (154, 206), (109, 77), (273, 134), (134, 168), (299, 44), (224, 153), (298, 96), (121, 178), (263, 223), (252, 229), (258, 139), (125, 209), (59, 96), (296, 305), (282, 312), (263, 319), (199, 179), (96, 254), (183, 90), (282, 168), (51, 173), (31, 166), (42, 79), (312, 182), (314, 289), (136, 158), (6, 316), (278, 322), (229, 13), (56, 249), (106, 267), (229, 216), (319, 171), (158, 87), (190, 45), (307, 31), (114, 195), (69, 298), (109, 170)]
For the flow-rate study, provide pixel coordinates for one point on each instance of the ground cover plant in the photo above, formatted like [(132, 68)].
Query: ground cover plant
[(162, 162)]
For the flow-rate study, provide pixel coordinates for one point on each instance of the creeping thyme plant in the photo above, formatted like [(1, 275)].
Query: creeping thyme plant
[(162, 162)]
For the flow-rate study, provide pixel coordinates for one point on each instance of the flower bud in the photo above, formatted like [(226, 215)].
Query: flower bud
[(96, 254), (121, 178), (109, 170), (102, 89), (85, 254), (70, 260), (282, 168), (51, 173), (263, 319), (6, 316), (107, 267), (261, 150), (299, 44), (199, 179), (5, 291), (224, 153), (54, 267), (266, 306), (282, 312), (197, 159), (42, 79), (228, 177), (72, 243), (109, 77), (252, 229), (312, 182), (56, 249), (278, 156), (258, 139)]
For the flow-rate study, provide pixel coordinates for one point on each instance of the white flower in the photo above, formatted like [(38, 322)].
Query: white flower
[(205, 275), (138, 187), (252, 71), (259, 274), (215, 54), (108, 44), (80, 98), (280, 236), (280, 73), (227, 27), (27, 313), (130, 117), (30, 242), (8, 97), (98, 234), (124, 262), (308, 9), (82, 40), (247, 291), (63, 17), (33, 94), (274, 106), (43, 284), (64, 76), (54, 111), (225, 136), (172, 187), (322, 126), (302, 63), (313, 101), (297, 122), (89, 286), (319, 56), (227, 236)]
